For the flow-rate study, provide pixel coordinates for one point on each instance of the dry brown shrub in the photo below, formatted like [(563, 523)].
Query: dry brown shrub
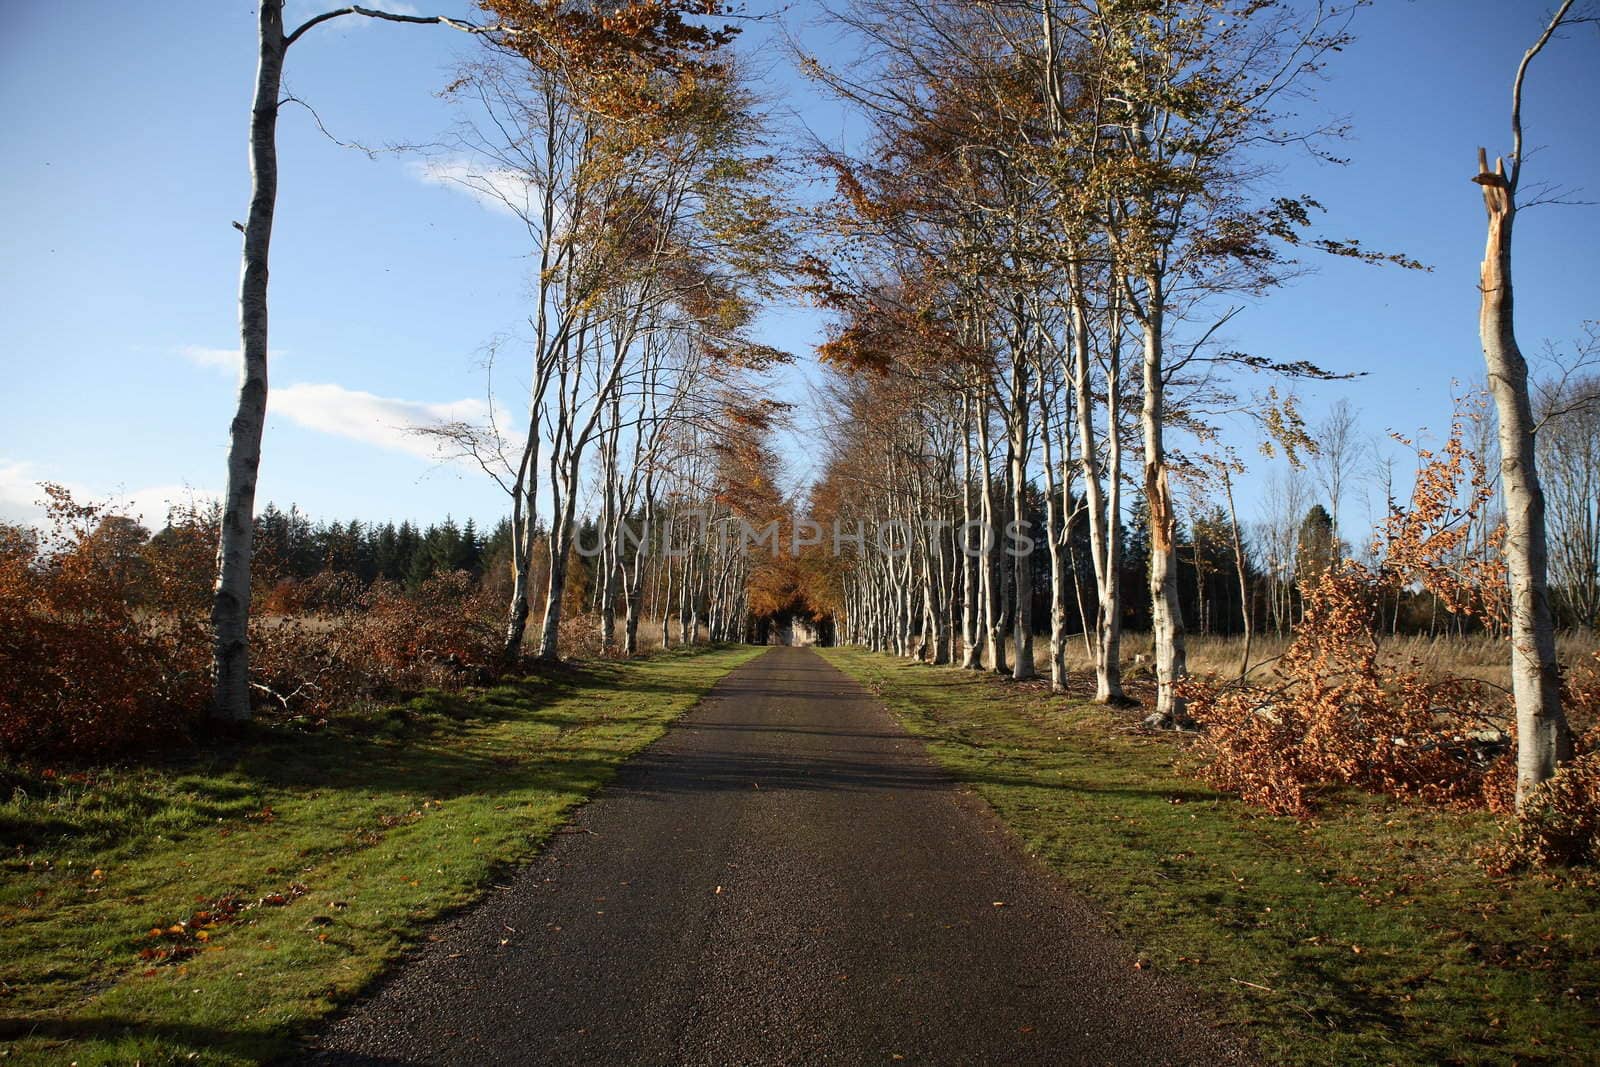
[(1345, 713), (98, 652), (1580, 698), (374, 643), (579, 634), (1559, 824), (105, 646), (283, 597)]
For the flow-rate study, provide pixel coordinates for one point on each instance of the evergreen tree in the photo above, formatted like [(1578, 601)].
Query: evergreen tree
[(384, 548), (408, 545), (469, 551), (1314, 550), (1136, 567)]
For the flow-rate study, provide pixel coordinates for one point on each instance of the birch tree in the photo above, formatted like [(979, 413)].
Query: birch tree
[(629, 146), (230, 605), (1187, 90), (1569, 465), (1543, 737), (1338, 459)]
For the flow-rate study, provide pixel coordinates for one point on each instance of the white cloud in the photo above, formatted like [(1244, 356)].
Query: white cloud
[(223, 359), (385, 422), (212, 358), (151, 504), (19, 493), (22, 499), (497, 188)]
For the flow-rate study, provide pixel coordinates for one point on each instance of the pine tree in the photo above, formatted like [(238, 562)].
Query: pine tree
[(468, 551), (1314, 551), (408, 546)]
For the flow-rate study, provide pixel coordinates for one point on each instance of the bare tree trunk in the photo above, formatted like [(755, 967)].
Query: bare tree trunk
[(1108, 669), (941, 652), (517, 613), (1543, 738), (560, 540), (1104, 520), (664, 605), (992, 578), (230, 605), (686, 580), (1054, 524), (555, 592), (1165, 611), (971, 585), (633, 576), (1022, 562), (935, 643), (1244, 580), (610, 557)]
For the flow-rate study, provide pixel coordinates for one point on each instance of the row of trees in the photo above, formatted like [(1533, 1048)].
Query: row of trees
[(293, 547), (623, 139), (1032, 263), (1031, 258)]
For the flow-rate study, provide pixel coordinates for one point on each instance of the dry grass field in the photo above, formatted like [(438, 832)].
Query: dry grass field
[(1478, 656)]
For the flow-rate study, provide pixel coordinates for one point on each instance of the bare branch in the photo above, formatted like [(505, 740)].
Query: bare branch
[(390, 16), (290, 98), (1516, 92)]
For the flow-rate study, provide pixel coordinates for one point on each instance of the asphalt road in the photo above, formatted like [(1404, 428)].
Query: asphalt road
[(783, 878)]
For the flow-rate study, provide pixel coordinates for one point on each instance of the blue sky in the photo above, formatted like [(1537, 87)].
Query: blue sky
[(125, 163)]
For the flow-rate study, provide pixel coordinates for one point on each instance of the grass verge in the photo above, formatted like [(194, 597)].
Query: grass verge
[(1368, 934), (207, 909)]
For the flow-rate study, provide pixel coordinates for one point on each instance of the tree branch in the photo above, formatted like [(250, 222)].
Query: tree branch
[(1516, 92), (389, 16)]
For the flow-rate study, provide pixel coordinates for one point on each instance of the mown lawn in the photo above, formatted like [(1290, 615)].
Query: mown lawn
[(208, 908), (1368, 934)]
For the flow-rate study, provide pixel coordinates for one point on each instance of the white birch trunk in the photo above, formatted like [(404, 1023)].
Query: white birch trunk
[(1165, 611), (230, 605), (1543, 738)]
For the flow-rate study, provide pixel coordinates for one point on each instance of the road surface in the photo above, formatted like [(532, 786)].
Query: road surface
[(784, 878)]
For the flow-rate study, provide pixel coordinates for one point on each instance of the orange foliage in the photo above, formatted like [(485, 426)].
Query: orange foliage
[(1346, 714), (1559, 824), (106, 646), (631, 61), (98, 654), (1426, 542), (382, 641)]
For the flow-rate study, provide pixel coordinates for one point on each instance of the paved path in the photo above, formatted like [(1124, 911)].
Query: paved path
[(784, 878)]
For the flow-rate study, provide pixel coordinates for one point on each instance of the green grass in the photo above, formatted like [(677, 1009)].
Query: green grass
[(1368, 934), (338, 847)]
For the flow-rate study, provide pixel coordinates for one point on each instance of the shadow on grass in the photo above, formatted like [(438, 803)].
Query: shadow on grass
[(424, 744), (239, 1041), (263, 1046)]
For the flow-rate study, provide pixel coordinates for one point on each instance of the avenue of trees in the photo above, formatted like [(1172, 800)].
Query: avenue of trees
[(1031, 261), (1055, 209), (632, 149)]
